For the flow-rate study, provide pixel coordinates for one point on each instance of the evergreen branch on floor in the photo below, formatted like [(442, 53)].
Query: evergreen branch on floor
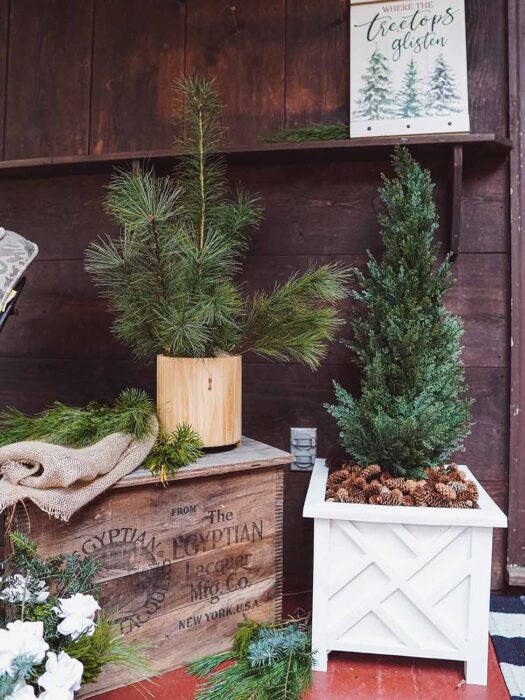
[(79, 427), (270, 662)]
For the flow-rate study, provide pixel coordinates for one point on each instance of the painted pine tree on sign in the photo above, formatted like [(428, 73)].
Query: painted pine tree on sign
[(443, 97), (408, 68), (410, 99), (376, 92)]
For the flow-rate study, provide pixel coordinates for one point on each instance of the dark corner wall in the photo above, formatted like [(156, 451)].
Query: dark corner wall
[(94, 76)]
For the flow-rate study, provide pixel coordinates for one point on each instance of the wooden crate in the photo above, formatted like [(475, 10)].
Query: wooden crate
[(182, 565)]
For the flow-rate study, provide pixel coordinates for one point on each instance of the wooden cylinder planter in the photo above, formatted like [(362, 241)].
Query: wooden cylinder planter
[(204, 392)]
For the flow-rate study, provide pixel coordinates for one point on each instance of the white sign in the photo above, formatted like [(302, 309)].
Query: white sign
[(408, 66)]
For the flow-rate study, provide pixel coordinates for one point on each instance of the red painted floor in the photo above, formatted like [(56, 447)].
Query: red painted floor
[(357, 677)]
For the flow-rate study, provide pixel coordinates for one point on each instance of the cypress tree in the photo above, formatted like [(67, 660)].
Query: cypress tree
[(412, 412)]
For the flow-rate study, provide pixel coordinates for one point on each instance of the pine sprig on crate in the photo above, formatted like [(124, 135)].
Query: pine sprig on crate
[(79, 427), (175, 450), (270, 662)]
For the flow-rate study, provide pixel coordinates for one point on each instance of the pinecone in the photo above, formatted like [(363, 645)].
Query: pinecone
[(336, 478), (371, 471), (446, 491), (396, 483), (410, 485), (458, 486), (445, 487), (462, 504), (392, 498), (421, 495), (372, 489), (472, 490)]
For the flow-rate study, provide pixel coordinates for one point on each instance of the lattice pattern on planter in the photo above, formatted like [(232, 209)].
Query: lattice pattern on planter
[(404, 581), (399, 586)]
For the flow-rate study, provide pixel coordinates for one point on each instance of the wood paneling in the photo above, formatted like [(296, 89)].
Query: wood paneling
[(487, 64), (63, 215), (242, 46), (33, 383), (4, 24), (138, 53), (275, 63), (317, 66), (48, 78), (516, 550)]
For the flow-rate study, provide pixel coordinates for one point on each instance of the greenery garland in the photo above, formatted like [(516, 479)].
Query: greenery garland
[(79, 427), (270, 662), (75, 427), (312, 132)]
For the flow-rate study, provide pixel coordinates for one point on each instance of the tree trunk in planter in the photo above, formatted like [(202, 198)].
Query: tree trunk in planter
[(204, 392)]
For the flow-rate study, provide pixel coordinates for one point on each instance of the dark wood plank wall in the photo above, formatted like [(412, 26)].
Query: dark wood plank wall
[(94, 76)]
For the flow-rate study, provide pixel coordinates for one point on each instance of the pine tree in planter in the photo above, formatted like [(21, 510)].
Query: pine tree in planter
[(171, 280), (412, 412)]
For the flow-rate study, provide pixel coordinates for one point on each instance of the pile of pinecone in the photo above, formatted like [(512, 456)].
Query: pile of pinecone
[(444, 487)]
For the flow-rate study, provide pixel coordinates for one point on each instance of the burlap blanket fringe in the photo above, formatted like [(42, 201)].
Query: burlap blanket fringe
[(61, 480)]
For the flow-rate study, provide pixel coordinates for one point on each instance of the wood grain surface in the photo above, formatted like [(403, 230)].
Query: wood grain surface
[(181, 566), (205, 393)]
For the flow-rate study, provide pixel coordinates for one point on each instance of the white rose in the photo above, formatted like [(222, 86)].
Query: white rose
[(57, 694), (6, 653), (62, 677), (77, 613), (22, 639), (22, 692), (20, 589)]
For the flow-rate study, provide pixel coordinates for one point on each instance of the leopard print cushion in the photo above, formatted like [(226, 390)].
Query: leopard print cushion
[(16, 254)]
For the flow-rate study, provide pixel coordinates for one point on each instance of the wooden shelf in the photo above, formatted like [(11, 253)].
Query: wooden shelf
[(489, 143)]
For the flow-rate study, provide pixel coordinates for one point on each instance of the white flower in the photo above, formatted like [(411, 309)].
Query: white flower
[(77, 613), (62, 677), (22, 692), (22, 639), (57, 694), (21, 589)]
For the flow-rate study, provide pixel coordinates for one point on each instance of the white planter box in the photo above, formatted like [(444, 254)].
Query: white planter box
[(404, 581)]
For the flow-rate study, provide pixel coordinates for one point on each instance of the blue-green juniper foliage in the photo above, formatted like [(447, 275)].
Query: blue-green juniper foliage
[(412, 412), (270, 662)]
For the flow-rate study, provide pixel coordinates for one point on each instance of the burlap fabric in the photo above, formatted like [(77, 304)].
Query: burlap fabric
[(61, 480)]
